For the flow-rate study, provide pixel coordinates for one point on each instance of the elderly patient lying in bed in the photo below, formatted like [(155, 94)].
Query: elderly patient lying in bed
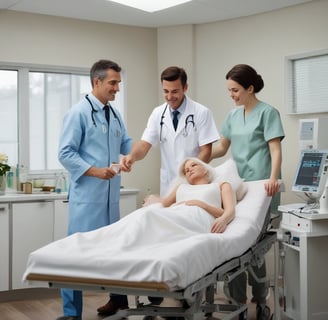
[(197, 189), (143, 244)]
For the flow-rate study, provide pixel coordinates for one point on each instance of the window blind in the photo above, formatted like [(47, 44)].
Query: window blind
[(309, 84)]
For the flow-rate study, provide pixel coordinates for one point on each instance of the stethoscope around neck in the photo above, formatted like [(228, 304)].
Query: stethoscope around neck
[(189, 119), (93, 110)]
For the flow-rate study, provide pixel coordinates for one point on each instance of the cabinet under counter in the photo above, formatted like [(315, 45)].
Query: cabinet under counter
[(30, 221)]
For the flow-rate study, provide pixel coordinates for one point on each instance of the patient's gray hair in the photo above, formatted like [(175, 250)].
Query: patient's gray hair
[(181, 178), (207, 167)]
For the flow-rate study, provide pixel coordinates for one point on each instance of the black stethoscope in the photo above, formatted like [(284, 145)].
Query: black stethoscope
[(93, 110), (189, 119)]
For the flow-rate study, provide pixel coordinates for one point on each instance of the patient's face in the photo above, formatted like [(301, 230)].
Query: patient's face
[(194, 171)]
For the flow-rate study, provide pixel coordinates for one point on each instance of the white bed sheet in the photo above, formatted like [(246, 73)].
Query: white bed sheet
[(171, 245)]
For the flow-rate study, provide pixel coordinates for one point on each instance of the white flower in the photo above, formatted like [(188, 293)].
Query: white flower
[(3, 158)]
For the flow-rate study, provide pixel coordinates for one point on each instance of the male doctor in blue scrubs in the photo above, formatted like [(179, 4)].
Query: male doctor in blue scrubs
[(92, 140)]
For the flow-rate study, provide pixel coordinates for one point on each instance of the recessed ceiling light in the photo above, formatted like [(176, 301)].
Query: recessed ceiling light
[(150, 5)]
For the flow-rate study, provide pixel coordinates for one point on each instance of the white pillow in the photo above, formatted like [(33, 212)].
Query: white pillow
[(228, 171)]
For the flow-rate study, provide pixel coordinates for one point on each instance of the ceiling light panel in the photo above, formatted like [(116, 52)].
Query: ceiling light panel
[(150, 5)]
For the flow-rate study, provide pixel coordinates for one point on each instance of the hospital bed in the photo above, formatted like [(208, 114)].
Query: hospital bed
[(190, 274)]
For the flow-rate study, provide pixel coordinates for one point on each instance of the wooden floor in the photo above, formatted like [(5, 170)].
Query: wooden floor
[(45, 304)]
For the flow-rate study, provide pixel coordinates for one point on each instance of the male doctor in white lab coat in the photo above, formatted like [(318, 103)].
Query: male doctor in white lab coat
[(193, 135)]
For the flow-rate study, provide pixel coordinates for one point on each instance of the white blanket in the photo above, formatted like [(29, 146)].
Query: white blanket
[(171, 245)]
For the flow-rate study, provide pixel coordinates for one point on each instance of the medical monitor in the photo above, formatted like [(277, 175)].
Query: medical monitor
[(311, 173)]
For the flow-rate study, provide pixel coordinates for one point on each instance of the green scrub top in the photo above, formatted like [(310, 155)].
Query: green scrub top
[(249, 137)]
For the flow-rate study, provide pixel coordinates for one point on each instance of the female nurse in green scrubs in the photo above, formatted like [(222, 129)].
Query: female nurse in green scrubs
[(254, 132)]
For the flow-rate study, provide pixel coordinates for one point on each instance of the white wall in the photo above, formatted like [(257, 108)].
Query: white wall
[(206, 51), (175, 46)]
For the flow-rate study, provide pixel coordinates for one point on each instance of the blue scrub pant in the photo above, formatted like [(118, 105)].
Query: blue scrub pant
[(73, 302)]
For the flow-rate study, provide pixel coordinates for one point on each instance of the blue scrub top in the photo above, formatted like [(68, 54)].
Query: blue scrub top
[(93, 202)]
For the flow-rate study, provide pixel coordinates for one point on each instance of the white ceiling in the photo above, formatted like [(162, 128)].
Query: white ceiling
[(194, 12)]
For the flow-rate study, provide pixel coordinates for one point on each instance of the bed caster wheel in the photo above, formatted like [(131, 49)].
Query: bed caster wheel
[(262, 312)]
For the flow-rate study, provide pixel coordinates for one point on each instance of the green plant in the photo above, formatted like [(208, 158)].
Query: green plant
[(3, 164)]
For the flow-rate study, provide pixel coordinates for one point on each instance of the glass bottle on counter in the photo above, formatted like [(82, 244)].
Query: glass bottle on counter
[(64, 186), (21, 176), (18, 188), (10, 177), (60, 183)]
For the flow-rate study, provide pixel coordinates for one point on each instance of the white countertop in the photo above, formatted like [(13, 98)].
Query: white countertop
[(19, 196)]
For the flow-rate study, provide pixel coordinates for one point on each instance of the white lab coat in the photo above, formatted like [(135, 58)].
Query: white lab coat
[(93, 202), (184, 142)]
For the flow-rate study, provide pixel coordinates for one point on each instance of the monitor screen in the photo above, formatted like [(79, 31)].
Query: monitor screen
[(311, 172)]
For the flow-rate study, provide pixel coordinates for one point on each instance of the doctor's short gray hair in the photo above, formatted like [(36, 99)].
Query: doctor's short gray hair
[(99, 69)]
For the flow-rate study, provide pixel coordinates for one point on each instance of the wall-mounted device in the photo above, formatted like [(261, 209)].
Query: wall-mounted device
[(313, 133)]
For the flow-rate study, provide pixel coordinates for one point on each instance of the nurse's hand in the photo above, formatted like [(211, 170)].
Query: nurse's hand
[(271, 187), (101, 173)]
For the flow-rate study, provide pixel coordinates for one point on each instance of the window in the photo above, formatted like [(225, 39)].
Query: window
[(307, 83), (50, 96), (33, 101), (8, 115)]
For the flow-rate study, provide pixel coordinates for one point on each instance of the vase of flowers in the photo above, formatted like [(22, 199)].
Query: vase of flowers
[(4, 168)]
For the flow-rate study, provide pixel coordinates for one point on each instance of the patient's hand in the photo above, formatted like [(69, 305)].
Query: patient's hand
[(219, 225), (151, 199), (197, 203)]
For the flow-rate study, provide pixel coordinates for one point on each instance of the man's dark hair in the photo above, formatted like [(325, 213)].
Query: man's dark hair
[(174, 73)]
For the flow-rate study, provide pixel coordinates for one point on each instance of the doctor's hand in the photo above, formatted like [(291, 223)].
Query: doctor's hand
[(271, 187), (101, 173), (126, 163)]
